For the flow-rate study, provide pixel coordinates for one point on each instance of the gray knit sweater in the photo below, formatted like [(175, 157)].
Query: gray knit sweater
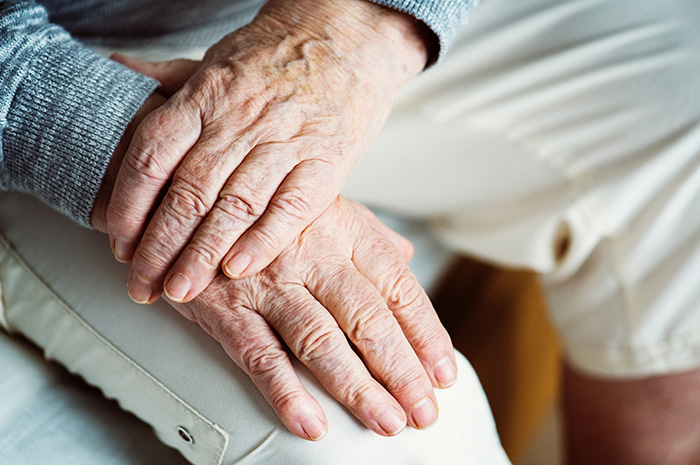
[(64, 108)]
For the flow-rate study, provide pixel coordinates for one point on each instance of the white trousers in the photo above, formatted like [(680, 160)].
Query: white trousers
[(63, 290), (564, 136)]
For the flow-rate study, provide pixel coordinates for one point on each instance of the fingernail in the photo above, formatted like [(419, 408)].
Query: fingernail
[(445, 372), (177, 287), (314, 428), (123, 250), (235, 267), (140, 290), (391, 420), (424, 413)]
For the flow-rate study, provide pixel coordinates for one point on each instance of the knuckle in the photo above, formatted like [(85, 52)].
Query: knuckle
[(263, 361), (405, 293), (286, 398), (210, 81), (239, 207), (357, 393), (228, 310), (293, 204), (206, 254), (142, 161), (320, 342), (434, 342), (186, 200), (410, 304), (411, 383), (371, 325)]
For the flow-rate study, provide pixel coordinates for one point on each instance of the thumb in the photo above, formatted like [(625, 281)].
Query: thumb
[(172, 74)]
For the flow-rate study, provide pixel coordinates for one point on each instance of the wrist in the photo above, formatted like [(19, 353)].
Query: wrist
[(99, 210), (363, 33)]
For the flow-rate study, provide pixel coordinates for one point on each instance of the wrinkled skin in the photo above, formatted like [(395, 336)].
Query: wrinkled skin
[(343, 282), (258, 142), (345, 275), (333, 282)]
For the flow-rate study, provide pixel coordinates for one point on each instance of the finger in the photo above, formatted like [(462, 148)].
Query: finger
[(381, 263), (172, 74), (403, 245), (400, 242), (256, 349), (158, 146), (241, 202), (305, 193), (314, 337), (363, 315), (192, 194)]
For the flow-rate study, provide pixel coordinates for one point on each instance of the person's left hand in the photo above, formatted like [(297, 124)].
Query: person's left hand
[(342, 298), (344, 301), (258, 142)]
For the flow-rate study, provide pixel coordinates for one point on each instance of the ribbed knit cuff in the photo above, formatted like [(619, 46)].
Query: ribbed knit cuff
[(443, 17), (64, 123)]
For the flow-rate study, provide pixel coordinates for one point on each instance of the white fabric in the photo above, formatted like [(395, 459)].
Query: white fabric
[(564, 136), (64, 291), (49, 416)]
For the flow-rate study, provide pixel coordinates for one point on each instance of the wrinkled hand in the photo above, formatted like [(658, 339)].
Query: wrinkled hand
[(257, 143), (341, 277), (343, 283)]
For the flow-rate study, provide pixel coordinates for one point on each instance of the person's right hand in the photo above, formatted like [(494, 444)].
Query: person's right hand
[(342, 284), (256, 140)]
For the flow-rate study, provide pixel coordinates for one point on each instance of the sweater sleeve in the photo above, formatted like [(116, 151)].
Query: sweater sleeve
[(443, 17), (63, 110)]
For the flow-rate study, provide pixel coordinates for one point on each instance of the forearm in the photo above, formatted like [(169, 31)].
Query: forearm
[(358, 30)]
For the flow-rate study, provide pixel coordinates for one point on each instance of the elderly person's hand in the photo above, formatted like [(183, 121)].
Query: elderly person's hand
[(342, 298), (342, 285), (258, 142)]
